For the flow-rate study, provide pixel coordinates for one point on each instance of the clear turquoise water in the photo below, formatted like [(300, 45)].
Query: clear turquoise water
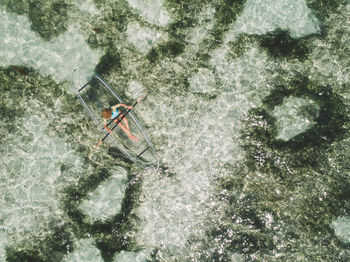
[(247, 108)]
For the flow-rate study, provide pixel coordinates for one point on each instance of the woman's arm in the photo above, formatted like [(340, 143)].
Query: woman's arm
[(119, 105), (105, 125), (115, 107)]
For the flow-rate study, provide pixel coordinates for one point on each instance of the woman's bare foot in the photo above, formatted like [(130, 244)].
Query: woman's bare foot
[(133, 137)]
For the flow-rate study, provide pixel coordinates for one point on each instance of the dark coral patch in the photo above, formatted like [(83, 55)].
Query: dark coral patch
[(110, 235), (226, 11), (330, 123), (266, 152), (280, 44), (109, 62), (48, 20)]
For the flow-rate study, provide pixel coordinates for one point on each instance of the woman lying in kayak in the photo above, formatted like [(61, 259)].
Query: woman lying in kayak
[(114, 112)]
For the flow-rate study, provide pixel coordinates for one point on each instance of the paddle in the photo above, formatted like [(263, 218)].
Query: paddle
[(116, 124)]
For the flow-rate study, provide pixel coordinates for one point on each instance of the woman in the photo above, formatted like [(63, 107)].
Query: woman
[(113, 112)]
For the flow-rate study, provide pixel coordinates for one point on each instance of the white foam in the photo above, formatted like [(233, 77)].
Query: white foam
[(202, 82), (292, 118), (19, 45), (142, 38), (135, 89), (151, 10), (125, 256), (242, 76), (105, 201), (341, 227), (237, 258), (87, 6), (172, 209), (205, 24), (84, 251), (260, 17)]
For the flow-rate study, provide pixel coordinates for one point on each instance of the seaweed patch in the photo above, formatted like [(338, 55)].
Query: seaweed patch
[(226, 13), (110, 61), (52, 248), (330, 123), (280, 44), (111, 234)]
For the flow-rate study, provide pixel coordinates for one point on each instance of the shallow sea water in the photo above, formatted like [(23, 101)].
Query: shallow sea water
[(247, 108)]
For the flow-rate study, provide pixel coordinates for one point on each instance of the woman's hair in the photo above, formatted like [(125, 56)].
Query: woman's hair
[(107, 113)]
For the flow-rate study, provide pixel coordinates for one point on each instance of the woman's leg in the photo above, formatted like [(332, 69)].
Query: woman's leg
[(126, 123), (126, 130)]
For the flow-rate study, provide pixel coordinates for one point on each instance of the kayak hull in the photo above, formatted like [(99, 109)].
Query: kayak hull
[(95, 95)]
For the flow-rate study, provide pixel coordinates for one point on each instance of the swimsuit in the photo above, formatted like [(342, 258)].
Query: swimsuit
[(115, 113)]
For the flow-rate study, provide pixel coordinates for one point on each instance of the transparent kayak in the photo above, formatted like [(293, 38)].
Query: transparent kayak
[(95, 95)]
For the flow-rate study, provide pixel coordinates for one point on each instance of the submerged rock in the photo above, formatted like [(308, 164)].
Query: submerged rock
[(142, 38), (85, 251), (341, 227), (203, 82), (260, 17), (295, 116), (105, 201), (152, 11), (125, 256)]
